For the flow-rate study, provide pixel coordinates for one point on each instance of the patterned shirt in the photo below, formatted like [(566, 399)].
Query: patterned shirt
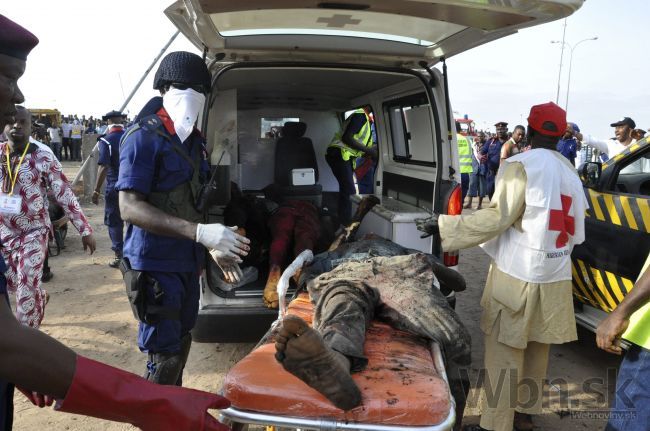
[(38, 172)]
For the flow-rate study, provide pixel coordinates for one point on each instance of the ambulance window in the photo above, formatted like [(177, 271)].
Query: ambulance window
[(271, 127), (411, 129)]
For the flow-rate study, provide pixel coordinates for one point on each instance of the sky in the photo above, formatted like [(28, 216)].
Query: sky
[(92, 54)]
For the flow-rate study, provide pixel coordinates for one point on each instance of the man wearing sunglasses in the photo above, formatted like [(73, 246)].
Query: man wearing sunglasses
[(163, 163)]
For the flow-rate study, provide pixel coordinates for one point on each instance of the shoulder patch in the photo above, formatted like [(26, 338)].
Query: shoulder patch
[(150, 122)]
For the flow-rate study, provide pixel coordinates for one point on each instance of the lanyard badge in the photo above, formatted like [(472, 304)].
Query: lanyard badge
[(10, 204)]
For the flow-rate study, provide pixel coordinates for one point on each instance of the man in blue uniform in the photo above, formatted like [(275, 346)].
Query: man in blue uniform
[(492, 148), (109, 167), (569, 146), (163, 163)]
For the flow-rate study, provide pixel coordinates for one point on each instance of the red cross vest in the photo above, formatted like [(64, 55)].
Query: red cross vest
[(539, 250)]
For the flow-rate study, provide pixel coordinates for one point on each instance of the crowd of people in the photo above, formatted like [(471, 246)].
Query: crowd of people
[(489, 150), (64, 136)]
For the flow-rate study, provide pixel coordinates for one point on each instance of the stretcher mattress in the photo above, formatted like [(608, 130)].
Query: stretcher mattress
[(400, 385)]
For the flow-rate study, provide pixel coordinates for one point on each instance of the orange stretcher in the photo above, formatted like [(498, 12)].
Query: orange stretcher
[(404, 386)]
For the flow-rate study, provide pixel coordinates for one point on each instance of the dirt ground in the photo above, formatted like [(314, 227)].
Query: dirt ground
[(88, 312)]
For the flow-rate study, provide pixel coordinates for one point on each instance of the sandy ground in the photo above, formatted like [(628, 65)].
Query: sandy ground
[(88, 312)]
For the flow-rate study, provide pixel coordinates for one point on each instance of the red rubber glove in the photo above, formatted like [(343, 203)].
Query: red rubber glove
[(105, 392)]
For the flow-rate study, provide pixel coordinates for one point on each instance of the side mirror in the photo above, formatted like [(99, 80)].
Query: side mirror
[(589, 173)]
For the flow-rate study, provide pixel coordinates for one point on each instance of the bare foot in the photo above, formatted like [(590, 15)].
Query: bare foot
[(302, 352), (270, 290)]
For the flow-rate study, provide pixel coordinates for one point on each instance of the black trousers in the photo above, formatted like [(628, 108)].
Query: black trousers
[(343, 173)]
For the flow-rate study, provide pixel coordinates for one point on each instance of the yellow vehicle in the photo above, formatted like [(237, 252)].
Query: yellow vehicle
[(40, 115), (617, 231)]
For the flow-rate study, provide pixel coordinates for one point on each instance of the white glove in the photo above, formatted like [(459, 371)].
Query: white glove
[(219, 237), (232, 273)]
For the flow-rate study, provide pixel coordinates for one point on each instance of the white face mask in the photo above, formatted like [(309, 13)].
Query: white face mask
[(183, 107)]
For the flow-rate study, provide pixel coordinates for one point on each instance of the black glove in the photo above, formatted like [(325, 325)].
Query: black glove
[(428, 225)]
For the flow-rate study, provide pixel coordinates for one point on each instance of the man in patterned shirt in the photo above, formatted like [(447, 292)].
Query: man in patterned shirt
[(26, 172)]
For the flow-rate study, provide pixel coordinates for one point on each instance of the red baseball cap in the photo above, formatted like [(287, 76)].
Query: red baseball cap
[(548, 119)]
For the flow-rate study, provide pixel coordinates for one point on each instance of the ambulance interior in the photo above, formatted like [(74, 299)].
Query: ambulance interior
[(250, 105)]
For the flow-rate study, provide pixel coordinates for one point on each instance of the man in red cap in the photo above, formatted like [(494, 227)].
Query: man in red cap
[(529, 230), (36, 362)]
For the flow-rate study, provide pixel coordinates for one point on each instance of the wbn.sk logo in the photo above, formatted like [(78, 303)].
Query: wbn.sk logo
[(589, 397)]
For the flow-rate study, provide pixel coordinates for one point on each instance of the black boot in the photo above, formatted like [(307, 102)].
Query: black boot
[(186, 343), (116, 262), (164, 368)]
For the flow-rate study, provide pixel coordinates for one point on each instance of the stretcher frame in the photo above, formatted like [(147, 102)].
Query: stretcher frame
[(237, 418)]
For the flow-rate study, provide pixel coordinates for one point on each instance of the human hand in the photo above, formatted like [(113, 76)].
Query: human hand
[(428, 225), (216, 236), (89, 243), (232, 273), (39, 400), (373, 153), (578, 136), (95, 198), (609, 332)]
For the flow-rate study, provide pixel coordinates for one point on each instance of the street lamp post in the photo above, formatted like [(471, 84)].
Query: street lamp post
[(572, 48)]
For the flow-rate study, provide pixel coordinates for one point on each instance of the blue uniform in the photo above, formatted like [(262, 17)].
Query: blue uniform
[(492, 147), (109, 156), (6, 388), (149, 163), (568, 148)]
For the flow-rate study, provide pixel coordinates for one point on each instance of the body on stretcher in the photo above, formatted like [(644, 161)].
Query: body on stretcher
[(404, 386)]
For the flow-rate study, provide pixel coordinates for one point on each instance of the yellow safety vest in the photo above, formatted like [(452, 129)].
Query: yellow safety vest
[(464, 155), (364, 136), (638, 332)]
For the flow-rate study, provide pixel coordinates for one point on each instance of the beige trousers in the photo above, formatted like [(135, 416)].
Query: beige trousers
[(514, 381)]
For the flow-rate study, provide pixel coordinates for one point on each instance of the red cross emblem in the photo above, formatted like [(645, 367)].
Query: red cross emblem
[(561, 221)]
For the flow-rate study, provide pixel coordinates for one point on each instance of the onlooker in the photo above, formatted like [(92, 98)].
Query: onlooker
[(477, 183), (638, 134), (24, 219), (464, 159), (54, 133), (511, 146), (76, 131), (90, 126), (622, 129), (492, 148), (631, 321), (101, 127), (66, 128), (569, 146)]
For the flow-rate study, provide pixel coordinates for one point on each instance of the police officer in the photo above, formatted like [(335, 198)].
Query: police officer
[(109, 167), (465, 160), (492, 148), (163, 162), (352, 141)]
